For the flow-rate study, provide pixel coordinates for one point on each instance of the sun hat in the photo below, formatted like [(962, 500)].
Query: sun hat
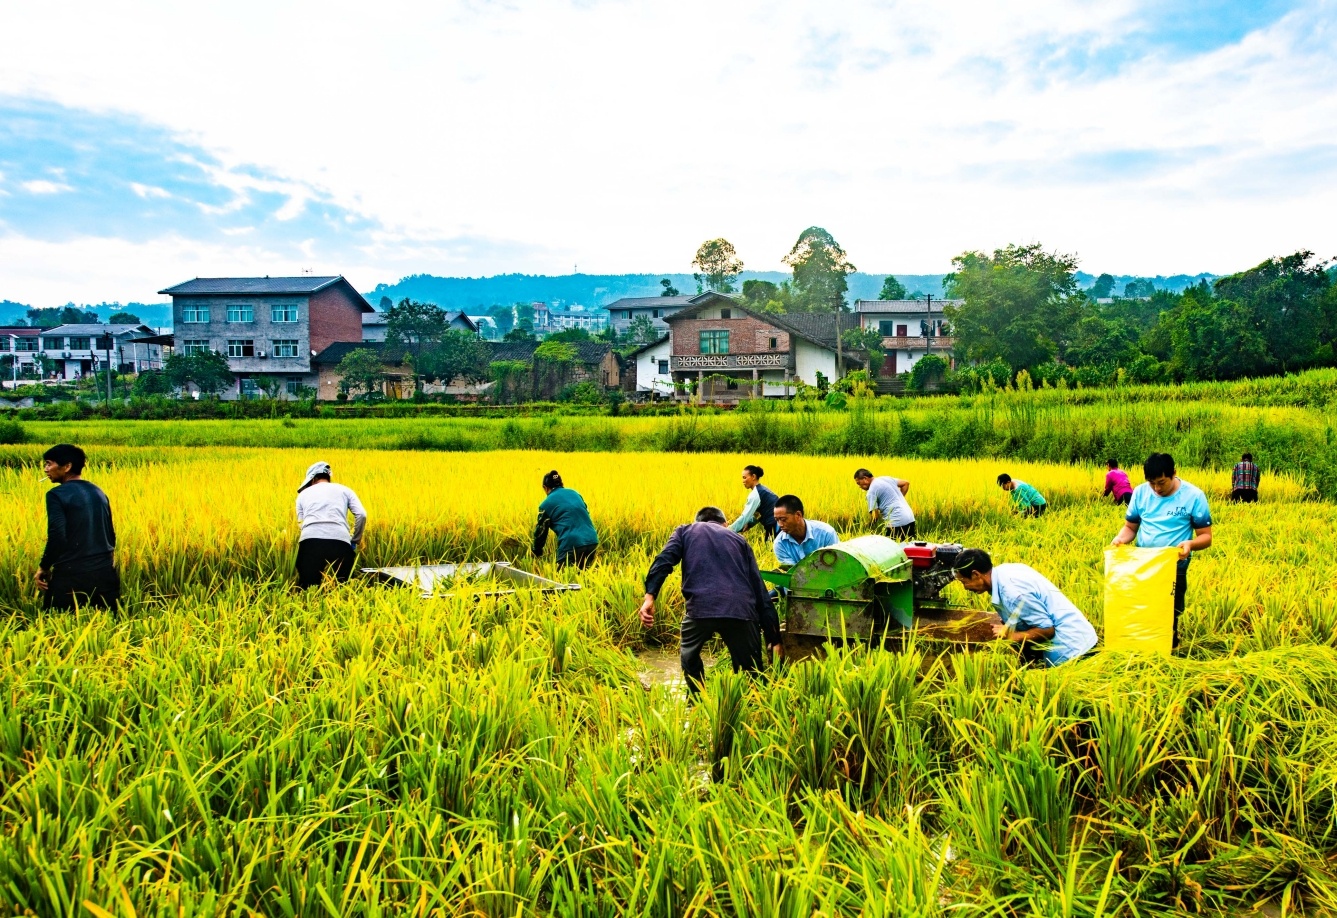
[(317, 468)]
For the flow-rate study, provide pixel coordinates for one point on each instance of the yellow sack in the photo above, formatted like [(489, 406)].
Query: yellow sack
[(1139, 598)]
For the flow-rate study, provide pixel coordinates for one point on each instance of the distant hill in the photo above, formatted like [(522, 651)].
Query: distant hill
[(1175, 283), (156, 315), (478, 294)]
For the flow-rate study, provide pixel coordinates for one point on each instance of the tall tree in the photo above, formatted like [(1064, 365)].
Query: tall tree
[(719, 265), (123, 318), (458, 354), (820, 267), (1020, 304), (360, 370), (414, 330), (892, 289), (669, 289), (1102, 288), (1286, 301)]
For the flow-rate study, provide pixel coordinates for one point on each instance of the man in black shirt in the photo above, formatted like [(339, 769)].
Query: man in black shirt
[(77, 568), (724, 592)]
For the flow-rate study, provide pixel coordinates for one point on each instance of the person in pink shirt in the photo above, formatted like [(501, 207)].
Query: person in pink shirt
[(1116, 483)]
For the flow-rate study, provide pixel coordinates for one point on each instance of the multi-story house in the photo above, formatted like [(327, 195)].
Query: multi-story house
[(266, 326), (909, 329), (591, 320), (20, 343), (723, 351), (375, 327), (655, 308), (77, 350)]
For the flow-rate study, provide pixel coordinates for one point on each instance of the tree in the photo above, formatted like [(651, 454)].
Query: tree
[(519, 334), (928, 370), (69, 314), (719, 265), (1139, 287), (892, 289), (1215, 339), (820, 267), (385, 304), (1102, 288), (1285, 299), (124, 318), (459, 354), (152, 382), (271, 386), (642, 331), (504, 316), (570, 334), (1019, 304), (208, 371), (868, 342), (414, 328), (669, 289), (360, 370)]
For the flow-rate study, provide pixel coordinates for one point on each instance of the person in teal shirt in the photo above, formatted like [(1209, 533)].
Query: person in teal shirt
[(1168, 512), (564, 512), (1025, 499)]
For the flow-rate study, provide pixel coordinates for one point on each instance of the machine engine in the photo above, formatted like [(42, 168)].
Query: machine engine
[(932, 566)]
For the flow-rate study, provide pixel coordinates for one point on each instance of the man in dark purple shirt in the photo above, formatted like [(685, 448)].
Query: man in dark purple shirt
[(724, 592)]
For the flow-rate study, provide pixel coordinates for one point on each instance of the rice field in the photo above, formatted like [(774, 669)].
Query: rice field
[(227, 746)]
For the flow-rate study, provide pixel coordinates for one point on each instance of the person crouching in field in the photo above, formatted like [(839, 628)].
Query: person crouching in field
[(1168, 512), (78, 567), (1049, 628), (564, 512), (724, 593), (1116, 483), (1244, 481), (1025, 499), (325, 543)]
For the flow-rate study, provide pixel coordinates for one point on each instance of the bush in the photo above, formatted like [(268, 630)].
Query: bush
[(12, 432), (927, 370), (582, 393)]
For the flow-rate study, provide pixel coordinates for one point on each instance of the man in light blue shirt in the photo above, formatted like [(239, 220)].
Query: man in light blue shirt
[(886, 501), (1035, 614), (1168, 512), (798, 537)]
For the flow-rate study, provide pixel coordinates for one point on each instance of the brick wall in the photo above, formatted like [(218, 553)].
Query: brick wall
[(747, 335), (335, 316)]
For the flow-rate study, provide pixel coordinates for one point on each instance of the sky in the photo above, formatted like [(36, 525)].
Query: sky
[(142, 144)]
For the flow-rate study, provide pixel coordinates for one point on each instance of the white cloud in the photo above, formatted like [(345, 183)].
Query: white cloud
[(149, 191), (620, 134), (42, 186)]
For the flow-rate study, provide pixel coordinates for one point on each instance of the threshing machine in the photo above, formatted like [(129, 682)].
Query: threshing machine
[(874, 589)]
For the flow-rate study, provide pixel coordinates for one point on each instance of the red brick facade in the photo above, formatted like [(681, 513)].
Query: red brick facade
[(747, 335), (335, 316)]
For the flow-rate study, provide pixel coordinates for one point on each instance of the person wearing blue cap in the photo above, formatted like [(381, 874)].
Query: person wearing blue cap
[(326, 542)]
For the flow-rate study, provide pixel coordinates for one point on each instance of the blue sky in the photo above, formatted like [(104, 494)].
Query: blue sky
[(477, 138)]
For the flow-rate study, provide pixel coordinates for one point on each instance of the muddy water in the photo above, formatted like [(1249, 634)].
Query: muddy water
[(661, 666)]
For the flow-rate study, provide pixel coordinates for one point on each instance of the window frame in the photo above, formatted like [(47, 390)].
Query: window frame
[(47, 345), (662, 368), (192, 346), (726, 313), (294, 344), (27, 344), (242, 345), (282, 309), (717, 336), (80, 343), (886, 328), (239, 307), (195, 314)]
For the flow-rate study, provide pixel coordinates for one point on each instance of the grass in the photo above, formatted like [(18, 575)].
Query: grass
[(230, 747)]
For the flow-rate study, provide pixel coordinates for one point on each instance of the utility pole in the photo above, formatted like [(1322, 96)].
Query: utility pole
[(106, 350), (928, 327)]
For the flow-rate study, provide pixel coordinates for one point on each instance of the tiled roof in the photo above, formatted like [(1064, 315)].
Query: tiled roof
[(93, 330), (818, 327), (903, 306), (586, 351), (262, 286), (645, 347), (650, 302), (341, 349)]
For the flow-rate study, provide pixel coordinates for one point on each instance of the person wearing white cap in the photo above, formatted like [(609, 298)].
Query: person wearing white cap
[(322, 512)]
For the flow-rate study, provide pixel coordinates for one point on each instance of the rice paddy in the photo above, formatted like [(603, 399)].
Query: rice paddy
[(228, 746)]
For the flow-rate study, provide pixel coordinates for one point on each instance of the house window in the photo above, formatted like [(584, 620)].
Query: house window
[(53, 344), (80, 344), (902, 331), (886, 329), (192, 346), (726, 313), (714, 342), (194, 314), (657, 313), (663, 368), (285, 347), (775, 342), (240, 348), (287, 313), (26, 344), (241, 314), (293, 385), (4, 344)]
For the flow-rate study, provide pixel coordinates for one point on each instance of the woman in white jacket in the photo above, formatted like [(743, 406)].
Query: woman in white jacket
[(322, 512)]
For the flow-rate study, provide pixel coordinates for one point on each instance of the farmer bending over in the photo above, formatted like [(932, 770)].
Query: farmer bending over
[(886, 501), (322, 512), (1049, 628), (1025, 499), (564, 512)]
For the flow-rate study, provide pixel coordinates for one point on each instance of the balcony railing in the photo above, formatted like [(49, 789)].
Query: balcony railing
[(916, 343)]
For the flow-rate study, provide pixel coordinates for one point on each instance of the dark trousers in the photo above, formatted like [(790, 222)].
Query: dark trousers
[(315, 556), (68, 590), (580, 556), (741, 637), (1124, 498), (1035, 511), (1181, 591), (1244, 496), (904, 533)]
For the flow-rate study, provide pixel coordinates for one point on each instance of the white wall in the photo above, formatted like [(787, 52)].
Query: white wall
[(648, 377), (809, 360)]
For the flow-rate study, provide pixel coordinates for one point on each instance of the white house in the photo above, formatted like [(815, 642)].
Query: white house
[(910, 329), (78, 349), (652, 367)]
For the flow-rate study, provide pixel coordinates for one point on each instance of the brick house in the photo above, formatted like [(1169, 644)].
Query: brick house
[(910, 329), (266, 326), (398, 382), (728, 352)]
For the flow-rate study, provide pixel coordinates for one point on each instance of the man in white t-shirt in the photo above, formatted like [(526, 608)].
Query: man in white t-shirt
[(326, 542), (886, 501)]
